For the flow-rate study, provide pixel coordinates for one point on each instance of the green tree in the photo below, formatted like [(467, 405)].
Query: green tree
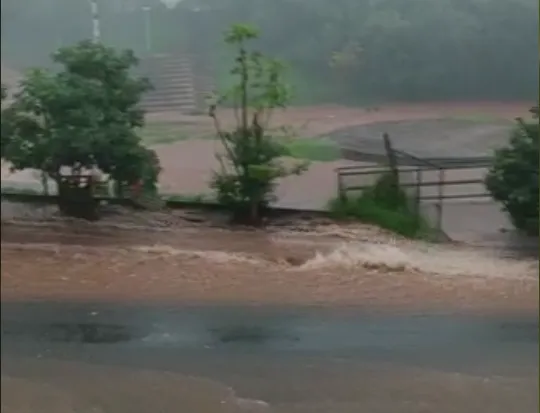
[(3, 128), (385, 49), (251, 163), (513, 178), (82, 116), (415, 49)]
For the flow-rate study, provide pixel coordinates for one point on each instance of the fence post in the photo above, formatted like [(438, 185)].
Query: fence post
[(392, 161), (341, 187), (419, 180), (440, 199)]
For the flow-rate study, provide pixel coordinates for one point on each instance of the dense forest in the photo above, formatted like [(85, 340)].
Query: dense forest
[(341, 50)]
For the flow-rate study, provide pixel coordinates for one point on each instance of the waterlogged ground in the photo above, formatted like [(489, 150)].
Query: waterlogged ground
[(372, 345)]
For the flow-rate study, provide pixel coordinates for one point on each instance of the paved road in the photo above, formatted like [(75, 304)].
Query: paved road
[(294, 360)]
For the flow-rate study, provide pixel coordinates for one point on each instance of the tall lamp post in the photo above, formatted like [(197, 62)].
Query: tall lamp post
[(96, 28), (147, 28)]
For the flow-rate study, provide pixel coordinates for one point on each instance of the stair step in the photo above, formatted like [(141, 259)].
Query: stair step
[(169, 73), (186, 76), (168, 95), (168, 99), (173, 77), (179, 82), (165, 61), (167, 58), (157, 103), (171, 91), (167, 67), (148, 105), (188, 110), (163, 84)]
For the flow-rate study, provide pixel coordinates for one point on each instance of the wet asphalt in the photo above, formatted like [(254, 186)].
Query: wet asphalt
[(165, 337)]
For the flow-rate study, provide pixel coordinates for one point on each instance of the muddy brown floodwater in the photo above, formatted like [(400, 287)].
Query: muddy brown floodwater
[(314, 264), (176, 261)]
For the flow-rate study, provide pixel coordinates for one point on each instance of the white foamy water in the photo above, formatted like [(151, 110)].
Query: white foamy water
[(220, 257), (425, 259), (383, 257)]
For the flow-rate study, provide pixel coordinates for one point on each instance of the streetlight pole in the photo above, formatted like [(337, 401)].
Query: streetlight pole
[(96, 28), (147, 28)]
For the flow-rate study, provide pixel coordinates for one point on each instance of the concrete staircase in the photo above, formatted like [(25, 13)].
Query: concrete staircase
[(180, 85)]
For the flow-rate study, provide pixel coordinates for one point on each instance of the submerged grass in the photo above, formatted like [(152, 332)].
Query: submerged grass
[(164, 133), (317, 150), (311, 149), (385, 206)]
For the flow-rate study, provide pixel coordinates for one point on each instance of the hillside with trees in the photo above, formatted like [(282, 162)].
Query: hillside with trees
[(369, 50)]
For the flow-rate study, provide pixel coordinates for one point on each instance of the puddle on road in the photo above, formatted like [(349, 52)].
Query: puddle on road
[(422, 337), (295, 362), (247, 334), (91, 333)]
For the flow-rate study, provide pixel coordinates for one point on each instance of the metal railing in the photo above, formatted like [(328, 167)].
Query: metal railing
[(413, 172)]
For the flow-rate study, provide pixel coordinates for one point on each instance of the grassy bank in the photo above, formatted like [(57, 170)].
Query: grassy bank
[(383, 205)]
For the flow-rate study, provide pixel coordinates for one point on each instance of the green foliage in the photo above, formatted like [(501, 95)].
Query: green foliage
[(378, 50), (414, 49), (312, 149), (4, 126), (513, 178), (250, 165), (82, 116), (384, 206)]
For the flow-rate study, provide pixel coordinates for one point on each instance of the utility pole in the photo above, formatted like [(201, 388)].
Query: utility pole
[(147, 28), (96, 29)]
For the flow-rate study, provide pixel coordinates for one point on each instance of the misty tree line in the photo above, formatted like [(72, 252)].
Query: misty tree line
[(352, 49)]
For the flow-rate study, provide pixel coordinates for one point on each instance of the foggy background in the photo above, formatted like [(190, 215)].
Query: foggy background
[(344, 51)]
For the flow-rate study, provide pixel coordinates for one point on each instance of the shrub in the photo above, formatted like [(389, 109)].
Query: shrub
[(385, 205), (513, 177)]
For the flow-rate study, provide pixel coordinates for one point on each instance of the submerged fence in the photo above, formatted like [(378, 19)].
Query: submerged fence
[(428, 182)]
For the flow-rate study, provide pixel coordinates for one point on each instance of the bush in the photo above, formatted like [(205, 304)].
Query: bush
[(384, 205), (83, 116), (513, 177)]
